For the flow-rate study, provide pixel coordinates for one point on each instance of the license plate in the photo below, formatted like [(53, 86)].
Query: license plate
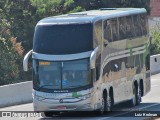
[(61, 107)]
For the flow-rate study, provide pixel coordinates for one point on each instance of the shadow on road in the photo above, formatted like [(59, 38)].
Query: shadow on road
[(119, 110)]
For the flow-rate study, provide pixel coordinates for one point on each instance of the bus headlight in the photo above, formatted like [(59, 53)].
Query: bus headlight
[(39, 98)]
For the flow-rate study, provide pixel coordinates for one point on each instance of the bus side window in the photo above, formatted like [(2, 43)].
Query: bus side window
[(129, 27), (114, 29), (122, 28), (107, 31), (143, 21), (137, 27), (98, 33)]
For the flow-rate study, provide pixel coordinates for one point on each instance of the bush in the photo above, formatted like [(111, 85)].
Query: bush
[(155, 42)]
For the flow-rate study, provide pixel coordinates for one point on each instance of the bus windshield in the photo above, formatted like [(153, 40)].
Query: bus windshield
[(61, 75), (63, 39)]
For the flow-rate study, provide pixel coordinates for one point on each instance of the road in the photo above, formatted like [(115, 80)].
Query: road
[(150, 102)]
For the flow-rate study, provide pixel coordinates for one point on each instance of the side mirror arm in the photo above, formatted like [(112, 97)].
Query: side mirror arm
[(25, 60)]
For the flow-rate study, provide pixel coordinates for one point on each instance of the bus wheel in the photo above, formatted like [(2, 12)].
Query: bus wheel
[(132, 102), (48, 114), (137, 97), (103, 106), (109, 104)]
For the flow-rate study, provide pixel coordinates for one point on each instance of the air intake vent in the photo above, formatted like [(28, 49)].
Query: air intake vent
[(107, 9)]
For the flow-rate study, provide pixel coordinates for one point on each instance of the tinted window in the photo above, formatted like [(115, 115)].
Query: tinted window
[(61, 75), (143, 21), (98, 32), (114, 29), (137, 26), (63, 39), (107, 30), (122, 28), (129, 27)]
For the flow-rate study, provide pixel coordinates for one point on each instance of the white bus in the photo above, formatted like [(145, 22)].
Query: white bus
[(90, 61)]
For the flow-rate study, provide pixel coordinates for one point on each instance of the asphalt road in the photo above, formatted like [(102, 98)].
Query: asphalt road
[(150, 105)]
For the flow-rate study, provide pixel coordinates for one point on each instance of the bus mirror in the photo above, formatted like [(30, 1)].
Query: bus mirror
[(93, 58), (25, 60)]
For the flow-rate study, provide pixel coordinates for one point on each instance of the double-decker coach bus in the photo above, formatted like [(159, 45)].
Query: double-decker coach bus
[(90, 61)]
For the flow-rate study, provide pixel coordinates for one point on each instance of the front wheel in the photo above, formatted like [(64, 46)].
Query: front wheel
[(106, 105), (50, 114), (109, 104)]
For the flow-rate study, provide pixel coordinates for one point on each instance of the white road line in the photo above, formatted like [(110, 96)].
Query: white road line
[(154, 86), (130, 111), (154, 79)]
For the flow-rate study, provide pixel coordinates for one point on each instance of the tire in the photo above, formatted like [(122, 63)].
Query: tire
[(101, 111), (137, 97), (108, 104), (48, 114)]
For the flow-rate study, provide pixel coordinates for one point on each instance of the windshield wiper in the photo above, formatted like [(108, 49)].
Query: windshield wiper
[(75, 86)]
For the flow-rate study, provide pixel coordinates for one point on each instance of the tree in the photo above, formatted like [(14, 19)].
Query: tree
[(11, 54), (22, 17)]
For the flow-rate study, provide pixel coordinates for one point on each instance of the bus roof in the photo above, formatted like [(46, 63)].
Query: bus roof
[(90, 16)]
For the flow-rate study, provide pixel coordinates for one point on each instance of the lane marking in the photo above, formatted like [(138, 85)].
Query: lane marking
[(130, 111), (154, 86)]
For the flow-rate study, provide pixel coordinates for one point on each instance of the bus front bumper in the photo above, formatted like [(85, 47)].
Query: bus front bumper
[(49, 105)]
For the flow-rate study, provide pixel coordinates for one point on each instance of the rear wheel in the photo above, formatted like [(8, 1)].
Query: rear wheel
[(109, 104), (137, 97)]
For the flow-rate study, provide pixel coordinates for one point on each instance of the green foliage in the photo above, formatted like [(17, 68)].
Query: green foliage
[(155, 42), (10, 55)]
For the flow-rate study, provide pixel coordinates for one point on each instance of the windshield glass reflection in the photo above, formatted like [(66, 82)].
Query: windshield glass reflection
[(61, 75)]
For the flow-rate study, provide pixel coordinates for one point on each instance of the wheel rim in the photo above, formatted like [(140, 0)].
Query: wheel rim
[(138, 96), (109, 104), (134, 98), (103, 106)]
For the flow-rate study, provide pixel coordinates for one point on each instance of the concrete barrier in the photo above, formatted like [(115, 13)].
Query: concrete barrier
[(14, 94), (155, 64)]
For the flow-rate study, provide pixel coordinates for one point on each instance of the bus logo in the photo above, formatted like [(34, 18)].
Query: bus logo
[(61, 101)]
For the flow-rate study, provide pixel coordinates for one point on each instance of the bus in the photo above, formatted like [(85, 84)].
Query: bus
[(90, 60)]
